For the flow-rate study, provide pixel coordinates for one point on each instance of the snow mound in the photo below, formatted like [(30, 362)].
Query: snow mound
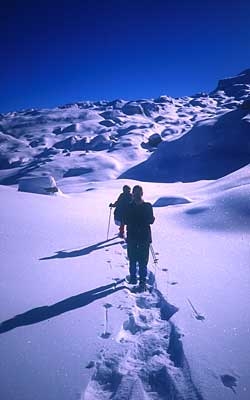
[(229, 210), (238, 178), (40, 185), (171, 201), (150, 108), (100, 142), (13, 152), (67, 143), (132, 108), (77, 172), (72, 128)]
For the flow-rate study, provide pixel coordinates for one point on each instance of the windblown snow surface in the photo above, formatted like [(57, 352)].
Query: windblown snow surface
[(70, 327)]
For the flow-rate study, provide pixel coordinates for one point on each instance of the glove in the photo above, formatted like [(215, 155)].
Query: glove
[(111, 205)]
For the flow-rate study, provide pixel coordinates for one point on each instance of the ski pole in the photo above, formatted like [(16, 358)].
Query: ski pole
[(109, 222), (155, 265), (155, 259)]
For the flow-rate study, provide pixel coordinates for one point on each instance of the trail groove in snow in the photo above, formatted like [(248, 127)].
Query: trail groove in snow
[(151, 364)]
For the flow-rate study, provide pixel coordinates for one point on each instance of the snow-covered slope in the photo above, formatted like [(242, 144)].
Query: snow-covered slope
[(204, 136), (69, 332), (213, 148), (237, 87), (70, 328)]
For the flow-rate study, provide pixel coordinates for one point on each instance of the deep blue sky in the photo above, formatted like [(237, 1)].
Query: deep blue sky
[(55, 52)]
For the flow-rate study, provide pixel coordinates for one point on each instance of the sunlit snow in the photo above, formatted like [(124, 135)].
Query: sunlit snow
[(70, 328)]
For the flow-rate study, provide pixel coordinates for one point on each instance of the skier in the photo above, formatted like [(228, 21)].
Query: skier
[(138, 217), (120, 205)]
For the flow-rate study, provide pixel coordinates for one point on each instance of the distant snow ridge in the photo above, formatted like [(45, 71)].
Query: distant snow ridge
[(151, 365), (237, 86), (200, 137)]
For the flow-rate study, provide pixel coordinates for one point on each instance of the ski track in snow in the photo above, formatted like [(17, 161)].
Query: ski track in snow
[(150, 363)]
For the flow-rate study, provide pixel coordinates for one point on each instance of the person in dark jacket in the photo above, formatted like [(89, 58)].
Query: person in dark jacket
[(120, 205), (138, 218)]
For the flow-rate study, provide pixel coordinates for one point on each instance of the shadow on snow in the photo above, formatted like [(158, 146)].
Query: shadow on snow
[(71, 303), (81, 252)]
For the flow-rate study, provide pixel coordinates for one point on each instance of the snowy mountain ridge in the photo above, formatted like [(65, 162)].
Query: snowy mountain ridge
[(75, 140), (237, 86)]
